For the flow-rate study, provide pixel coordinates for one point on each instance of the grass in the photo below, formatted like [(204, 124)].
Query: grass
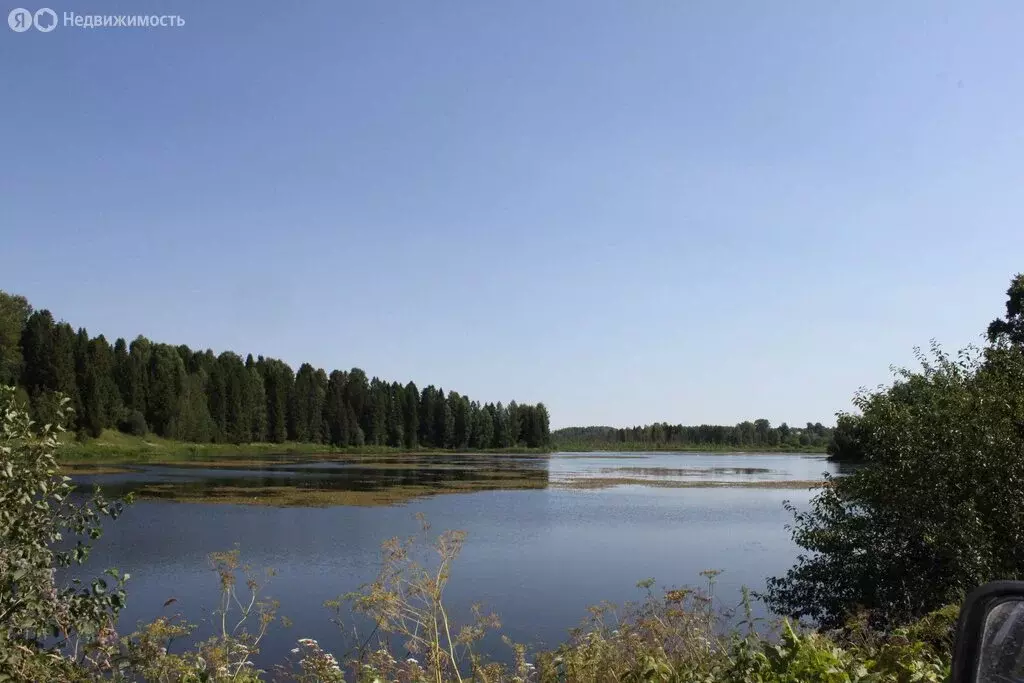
[(116, 447)]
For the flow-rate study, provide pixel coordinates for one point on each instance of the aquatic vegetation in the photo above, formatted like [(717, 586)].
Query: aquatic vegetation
[(607, 482)]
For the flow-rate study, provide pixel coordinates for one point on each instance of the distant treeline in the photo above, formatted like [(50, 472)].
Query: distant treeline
[(756, 434), (193, 395)]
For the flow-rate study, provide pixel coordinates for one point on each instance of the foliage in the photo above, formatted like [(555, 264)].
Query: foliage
[(1010, 329), (935, 510), (674, 636), (845, 445), (406, 600), (38, 521), (134, 423)]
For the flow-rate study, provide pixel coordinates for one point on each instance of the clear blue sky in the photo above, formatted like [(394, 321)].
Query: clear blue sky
[(633, 211)]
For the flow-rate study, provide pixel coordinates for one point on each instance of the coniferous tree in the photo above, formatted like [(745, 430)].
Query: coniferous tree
[(101, 400), (193, 421), (217, 400), (395, 422), (103, 358), (37, 340), (502, 433), (278, 380), (544, 419), (122, 372), (534, 425), (81, 356), (14, 313), (138, 374), (355, 432), (377, 414), (64, 345), (426, 416), (323, 430), (257, 404), (461, 424), (483, 428), (166, 381), (336, 410), (91, 411), (233, 380), (303, 405), (514, 424), (444, 421), (410, 415), (357, 395)]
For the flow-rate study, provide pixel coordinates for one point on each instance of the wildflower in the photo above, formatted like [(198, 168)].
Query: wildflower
[(295, 650)]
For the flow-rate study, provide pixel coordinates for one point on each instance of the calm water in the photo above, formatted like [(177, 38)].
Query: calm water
[(538, 557)]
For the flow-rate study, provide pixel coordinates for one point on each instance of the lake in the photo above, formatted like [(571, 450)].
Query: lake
[(547, 536)]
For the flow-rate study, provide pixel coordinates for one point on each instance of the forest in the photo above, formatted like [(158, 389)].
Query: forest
[(664, 436), (198, 396)]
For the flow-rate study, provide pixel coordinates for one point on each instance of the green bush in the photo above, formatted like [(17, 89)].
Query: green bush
[(933, 512), (36, 513), (134, 423)]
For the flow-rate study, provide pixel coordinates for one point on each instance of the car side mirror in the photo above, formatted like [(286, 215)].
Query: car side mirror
[(989, 644)]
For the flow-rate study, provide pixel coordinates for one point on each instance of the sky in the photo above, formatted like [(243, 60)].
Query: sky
[(633, 211)]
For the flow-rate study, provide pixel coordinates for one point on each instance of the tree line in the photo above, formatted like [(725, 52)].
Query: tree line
[(757, 434), (192, 395)]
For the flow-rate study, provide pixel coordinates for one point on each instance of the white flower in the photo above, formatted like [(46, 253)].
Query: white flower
[(295, 650)]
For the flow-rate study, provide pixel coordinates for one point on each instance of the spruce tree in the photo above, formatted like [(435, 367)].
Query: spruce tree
[(14, 313), (37, 340), (395, 422), (410, 415), (257, 404)]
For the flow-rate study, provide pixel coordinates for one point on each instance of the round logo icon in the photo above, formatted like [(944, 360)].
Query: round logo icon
[(45, 20), (20, 19)]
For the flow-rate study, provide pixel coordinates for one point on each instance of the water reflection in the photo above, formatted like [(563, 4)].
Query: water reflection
[(377, 480)]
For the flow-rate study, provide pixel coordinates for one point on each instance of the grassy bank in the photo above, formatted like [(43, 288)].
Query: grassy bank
[(113, 447)]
